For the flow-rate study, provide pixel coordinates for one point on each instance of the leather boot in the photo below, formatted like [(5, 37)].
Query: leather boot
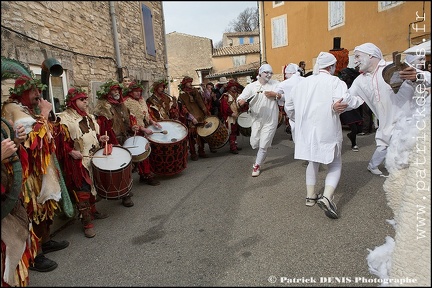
[(86, 218)]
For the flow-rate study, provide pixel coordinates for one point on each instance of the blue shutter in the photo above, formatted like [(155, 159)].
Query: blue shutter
[(148, 30)]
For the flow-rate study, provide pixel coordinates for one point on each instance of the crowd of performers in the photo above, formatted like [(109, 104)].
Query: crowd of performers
[(49, 165)]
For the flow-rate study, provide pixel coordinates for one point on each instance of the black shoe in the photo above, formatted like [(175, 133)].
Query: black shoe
[(239, 148), (149, 180), (127, 201), (52, 245), (42, 264), (100, 215), (234, 151)]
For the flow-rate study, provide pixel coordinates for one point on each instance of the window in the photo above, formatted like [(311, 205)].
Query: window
[(279, 31), (241, 40), (336, 14), (148, 30), (251, 40), (277, 3), (56, 90), (384, 5), (239, 60)]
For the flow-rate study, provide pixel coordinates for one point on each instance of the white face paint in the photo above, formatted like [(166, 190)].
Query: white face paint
[(266, 75), (362, 60)]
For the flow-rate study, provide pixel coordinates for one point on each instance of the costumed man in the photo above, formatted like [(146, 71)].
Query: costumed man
[(138, 107), (44, 187), (230, 112), (385, 104), (318, 131), (194, 112), (115, 120), (18, 241), (261, 96), (292, 78), (162, 106), (77, 138)]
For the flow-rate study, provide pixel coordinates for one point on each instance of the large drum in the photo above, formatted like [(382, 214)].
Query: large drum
[(214, 132), (244, 122), (169, 151), (112, 174), (139, 147)]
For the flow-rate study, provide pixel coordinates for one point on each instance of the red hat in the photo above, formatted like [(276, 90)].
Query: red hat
[(186, 80), (24, 83), (232, 83), (74, 94)]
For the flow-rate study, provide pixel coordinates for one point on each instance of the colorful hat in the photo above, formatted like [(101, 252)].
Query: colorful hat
[(107, 87), (158, 83), (25, 83), (232, 83), (74, 94)]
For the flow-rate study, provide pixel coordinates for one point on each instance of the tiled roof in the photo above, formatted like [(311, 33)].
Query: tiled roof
[(242, 69), (237, 50), (246, 33), (203, 68)]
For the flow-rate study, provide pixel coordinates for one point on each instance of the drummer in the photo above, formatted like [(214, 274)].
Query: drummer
[(115, 120), (162, 106), (194, 111), (138, 107), (230, 111), (77, 136)]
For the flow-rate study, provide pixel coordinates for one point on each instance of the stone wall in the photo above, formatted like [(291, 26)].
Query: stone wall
[(79, 35), (186, 53)]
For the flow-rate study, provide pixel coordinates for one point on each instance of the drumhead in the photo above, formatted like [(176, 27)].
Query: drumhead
[(176, 132), (136, 145), (211, 125), (244, 120), (118, 159)]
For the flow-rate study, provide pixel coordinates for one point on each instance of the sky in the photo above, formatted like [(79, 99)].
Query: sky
[(207, 19)]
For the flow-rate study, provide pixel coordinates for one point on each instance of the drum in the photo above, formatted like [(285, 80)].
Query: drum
[(244, 122), (112, 174), (169, 151), (139, 147), (214, 132)]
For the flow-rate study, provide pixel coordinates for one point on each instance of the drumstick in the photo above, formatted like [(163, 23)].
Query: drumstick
[(106, 144), (95, 156), (133, 142), (163, 132)]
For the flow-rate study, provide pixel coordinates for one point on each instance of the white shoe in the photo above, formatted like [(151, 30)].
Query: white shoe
[(374, 171), (355, 148), (256, 170)]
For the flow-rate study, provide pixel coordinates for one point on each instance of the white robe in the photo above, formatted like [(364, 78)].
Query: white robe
[(284, 88), (264, 112), (318, 127), (387, 106)]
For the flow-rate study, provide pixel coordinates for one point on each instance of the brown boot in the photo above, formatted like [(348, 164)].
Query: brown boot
[(89, 232), (127, 201)]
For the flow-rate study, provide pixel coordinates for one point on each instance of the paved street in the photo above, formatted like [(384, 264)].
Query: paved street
[(215, 225)]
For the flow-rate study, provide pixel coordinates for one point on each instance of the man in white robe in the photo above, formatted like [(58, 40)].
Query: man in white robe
[(293, 77), (264, 110), (387, 105), (318, 131)]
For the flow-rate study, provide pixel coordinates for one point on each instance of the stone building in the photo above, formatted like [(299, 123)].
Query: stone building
[(93, 41), (185, 54)]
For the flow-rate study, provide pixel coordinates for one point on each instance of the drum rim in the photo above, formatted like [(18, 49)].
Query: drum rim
[(130, 162), (149, 138)]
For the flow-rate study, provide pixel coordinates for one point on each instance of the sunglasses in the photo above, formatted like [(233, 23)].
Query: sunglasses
[(83, 99)]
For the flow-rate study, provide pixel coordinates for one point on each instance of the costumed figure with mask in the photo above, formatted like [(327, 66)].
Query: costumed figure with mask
[(318, 131), (292, 78), (263, 101)]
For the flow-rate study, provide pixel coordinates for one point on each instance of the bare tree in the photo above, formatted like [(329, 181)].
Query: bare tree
[(246, 21)]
